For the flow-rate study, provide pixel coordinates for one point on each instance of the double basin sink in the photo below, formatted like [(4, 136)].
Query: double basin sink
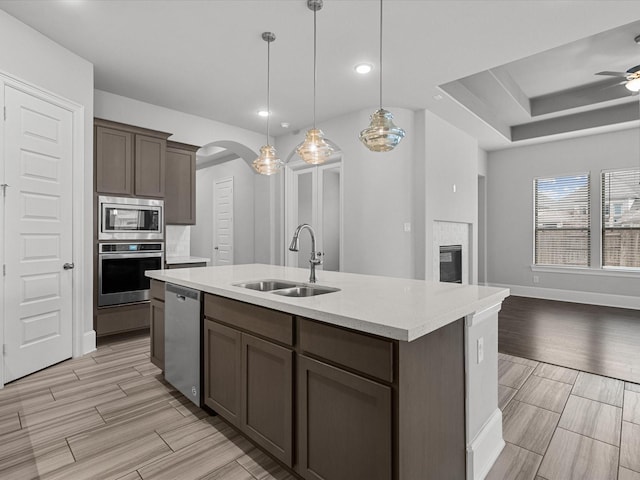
[(287, 289)]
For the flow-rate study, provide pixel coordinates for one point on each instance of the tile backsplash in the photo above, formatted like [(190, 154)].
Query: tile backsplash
[(178, 238)]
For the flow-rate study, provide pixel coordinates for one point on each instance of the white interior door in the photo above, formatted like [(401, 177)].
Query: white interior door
[(38, 234), (223, 222), (314, 196)]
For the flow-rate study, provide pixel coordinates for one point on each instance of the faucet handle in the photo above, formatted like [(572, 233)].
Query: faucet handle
[(317, 258)]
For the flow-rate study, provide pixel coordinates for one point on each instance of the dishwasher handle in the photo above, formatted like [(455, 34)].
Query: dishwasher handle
[(182, 293)]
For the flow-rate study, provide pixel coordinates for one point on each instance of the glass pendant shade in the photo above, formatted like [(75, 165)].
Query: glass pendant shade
[(382, 134), (315, 149), (267, 162)]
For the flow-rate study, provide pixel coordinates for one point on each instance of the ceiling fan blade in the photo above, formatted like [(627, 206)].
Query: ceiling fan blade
[(613, 74)]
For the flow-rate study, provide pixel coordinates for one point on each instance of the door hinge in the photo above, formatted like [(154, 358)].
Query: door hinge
[(5, 112), (4, 349), (4, 189), (4, 270)]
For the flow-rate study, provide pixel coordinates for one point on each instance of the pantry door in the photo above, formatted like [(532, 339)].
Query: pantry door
[(223, 222), (38, 228)]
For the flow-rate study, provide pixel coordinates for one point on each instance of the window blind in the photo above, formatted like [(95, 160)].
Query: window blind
[(562, 220), (621, 218)]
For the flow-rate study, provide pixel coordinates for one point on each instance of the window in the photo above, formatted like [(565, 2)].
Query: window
[(621, 218), (562, 220)]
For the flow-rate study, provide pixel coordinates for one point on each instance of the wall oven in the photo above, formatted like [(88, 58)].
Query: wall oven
[(123, 218), (121, 268)]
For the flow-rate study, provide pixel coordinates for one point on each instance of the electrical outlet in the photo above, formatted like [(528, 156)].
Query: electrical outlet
[(407, 227), (455, 188), (536, 279), (480, 349)]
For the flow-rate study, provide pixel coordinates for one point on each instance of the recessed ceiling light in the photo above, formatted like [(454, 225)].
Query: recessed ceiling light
[(263, 113), (437, 96), (284, 124), (363, 68)]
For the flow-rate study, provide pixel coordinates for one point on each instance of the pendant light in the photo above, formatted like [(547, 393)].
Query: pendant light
[(381, 135), (315, 148), (268, 162)]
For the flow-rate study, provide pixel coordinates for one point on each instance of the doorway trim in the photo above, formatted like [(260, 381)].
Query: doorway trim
[(82, 342), (291, 209)]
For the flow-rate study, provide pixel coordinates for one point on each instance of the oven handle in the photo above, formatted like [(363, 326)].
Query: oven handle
[(108, 256)]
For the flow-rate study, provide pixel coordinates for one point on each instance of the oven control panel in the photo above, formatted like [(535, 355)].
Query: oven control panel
[(130, 247)]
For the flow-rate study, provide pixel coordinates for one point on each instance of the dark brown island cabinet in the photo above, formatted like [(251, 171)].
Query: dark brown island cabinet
[(331, 403), (180, 186), (156, 321), (130, 161)]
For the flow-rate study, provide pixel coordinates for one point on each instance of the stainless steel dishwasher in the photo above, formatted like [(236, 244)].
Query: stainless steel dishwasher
[(182, 345)]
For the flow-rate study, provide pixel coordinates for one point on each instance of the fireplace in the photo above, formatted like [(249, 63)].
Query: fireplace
[(451, 263)]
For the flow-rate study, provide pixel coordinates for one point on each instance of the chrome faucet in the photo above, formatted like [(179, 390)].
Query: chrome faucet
[(316, 257)]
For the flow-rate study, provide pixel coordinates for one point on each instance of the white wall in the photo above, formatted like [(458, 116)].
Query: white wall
[(33, 58), (451, 159), (243, 210), (510, 211), (379, 196)]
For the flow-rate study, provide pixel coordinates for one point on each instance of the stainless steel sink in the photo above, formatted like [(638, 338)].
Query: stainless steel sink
[(305, 291), (287, 289), (267, 285)]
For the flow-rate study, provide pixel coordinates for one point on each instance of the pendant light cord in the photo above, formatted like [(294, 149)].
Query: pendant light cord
[(315, 75), (380, 54), (268, 86)]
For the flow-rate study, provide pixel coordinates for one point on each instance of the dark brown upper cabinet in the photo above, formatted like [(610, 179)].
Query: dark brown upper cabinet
[(129, 160), (114, 161), (180, 184)]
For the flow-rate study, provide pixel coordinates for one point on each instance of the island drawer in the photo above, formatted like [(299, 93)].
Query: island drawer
[(364, 353), (157, 289), (277, 326)]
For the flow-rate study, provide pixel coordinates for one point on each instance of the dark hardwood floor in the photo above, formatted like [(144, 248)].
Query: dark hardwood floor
[(600, 340)]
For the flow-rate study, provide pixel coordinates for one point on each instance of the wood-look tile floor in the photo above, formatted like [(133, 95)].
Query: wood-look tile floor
[(564, 424), (110, 415)]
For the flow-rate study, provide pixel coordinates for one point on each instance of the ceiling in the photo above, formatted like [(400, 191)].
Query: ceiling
[(207, 58)]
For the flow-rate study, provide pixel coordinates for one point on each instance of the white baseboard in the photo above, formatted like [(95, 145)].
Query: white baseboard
[(88, 342), (574, 296), (483, 450)]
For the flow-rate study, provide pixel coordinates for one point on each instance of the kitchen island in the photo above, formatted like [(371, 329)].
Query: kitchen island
[(386, 378)]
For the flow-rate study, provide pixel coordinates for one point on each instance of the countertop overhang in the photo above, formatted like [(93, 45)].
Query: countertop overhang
[(396, 308)]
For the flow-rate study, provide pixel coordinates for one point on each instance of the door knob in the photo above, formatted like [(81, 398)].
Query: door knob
[(68, 266), (216, 248)]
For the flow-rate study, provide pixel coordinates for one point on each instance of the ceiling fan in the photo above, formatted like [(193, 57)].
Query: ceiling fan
[(631, 76)]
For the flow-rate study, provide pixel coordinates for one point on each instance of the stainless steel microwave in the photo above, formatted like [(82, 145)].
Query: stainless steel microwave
[(123, 218)]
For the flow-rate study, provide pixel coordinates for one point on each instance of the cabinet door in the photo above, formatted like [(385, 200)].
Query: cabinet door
[(157, 333), (222, 359), (180, 189), (150, 166), (267, 396), (344, 424), (114, 161)]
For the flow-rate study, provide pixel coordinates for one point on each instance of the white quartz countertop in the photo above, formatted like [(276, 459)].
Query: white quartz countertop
[(395, 308), (171, 260)]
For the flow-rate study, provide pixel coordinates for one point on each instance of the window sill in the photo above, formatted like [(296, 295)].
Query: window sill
[(601, 272)]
